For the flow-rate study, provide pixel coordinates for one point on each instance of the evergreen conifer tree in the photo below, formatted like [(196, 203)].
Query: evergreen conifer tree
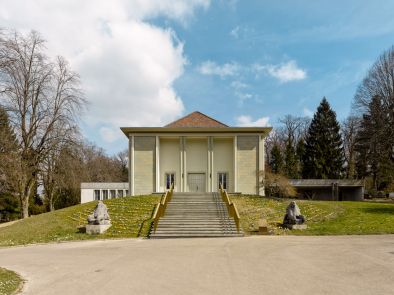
[(324, 155), (8, 149), (276, 162), (291, 163), (8, 141), (374, 154), (300, 152)]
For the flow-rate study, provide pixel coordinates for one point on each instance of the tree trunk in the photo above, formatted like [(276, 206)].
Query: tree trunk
[(25, 206), (51, 204)]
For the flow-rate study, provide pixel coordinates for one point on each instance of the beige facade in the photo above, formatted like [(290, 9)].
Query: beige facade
[(247, 163), (196, 153), (196, 162), (144, 160)]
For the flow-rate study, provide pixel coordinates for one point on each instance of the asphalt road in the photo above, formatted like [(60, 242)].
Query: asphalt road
[(254, 265)]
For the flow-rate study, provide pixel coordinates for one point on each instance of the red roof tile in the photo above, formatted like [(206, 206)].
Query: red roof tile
[(196, 119)]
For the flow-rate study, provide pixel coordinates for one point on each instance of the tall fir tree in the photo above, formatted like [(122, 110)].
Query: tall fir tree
[(374, 154), (291, 163), (7, 135), (276, 162), (300, 152), (8, 149), (324, 155)]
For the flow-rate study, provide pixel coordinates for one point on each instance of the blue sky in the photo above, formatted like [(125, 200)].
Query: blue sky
[(333, 43), (146, 63)]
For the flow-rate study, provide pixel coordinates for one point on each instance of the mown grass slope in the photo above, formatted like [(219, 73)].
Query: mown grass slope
[(323, 217), (130, 216), (10, 282)]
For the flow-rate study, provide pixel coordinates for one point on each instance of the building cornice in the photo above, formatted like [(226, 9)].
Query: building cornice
[(195, 130)]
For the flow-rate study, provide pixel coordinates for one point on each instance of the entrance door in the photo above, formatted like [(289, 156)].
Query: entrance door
[(196, 182)]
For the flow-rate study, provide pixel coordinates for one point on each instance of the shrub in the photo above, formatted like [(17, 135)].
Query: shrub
[(277, 185)]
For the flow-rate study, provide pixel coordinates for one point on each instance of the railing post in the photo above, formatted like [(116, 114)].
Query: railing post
[(232, 210)]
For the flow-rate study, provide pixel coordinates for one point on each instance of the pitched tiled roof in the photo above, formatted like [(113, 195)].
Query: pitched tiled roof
[(196, 119)]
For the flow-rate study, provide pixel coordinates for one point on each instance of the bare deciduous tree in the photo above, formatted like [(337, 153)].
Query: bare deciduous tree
[(294, 128), (375, 99), (43, 100)]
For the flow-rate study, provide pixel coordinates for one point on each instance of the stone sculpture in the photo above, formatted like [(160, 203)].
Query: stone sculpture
[(100, 215), (293, 218), (99, 221)]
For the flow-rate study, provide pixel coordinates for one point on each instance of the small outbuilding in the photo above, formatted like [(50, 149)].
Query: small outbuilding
[(100, 191), (329, 189)]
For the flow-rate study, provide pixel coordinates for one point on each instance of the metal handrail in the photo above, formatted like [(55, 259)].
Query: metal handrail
[(232, 209), (161, 207)]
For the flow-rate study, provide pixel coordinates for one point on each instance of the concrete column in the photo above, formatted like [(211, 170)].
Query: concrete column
[(260, 171), (210, 175), (213, 189), (157, 169), (131, 165), (181, 176), (235, 139), (184, 142)]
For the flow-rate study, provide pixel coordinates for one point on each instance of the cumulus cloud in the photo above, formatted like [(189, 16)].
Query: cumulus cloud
[(127, 65), (212, 68), (247, 121), (286, 72)]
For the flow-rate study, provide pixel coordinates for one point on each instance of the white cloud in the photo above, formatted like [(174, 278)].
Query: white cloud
[(110, 134), (238, 85), (127, 65), (286, 72), (212, 68), (247, 121)]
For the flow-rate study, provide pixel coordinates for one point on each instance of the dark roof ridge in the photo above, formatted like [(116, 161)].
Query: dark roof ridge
[(184, 118)]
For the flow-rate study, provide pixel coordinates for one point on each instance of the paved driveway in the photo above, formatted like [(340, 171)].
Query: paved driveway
[(254, 265)]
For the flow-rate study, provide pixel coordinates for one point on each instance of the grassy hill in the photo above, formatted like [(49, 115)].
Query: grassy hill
[(323, 217), (131, 217)]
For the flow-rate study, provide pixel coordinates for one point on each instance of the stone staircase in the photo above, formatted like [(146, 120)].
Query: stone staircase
[(192, 215)]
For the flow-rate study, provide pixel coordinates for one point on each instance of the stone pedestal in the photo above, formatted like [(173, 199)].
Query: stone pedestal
[(94, 229), (296, 226), (263, 227)]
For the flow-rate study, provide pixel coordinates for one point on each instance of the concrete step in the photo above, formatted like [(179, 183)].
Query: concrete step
[(195, 215), (195, 221), (193, 235), (202, 226)]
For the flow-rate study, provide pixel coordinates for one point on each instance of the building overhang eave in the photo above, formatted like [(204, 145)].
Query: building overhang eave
[(197, 130)]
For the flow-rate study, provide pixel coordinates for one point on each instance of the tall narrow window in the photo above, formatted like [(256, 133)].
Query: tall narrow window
[(113, 193), (97, 194), (105, 194), (222, 179), (169, 180), (120, 193)]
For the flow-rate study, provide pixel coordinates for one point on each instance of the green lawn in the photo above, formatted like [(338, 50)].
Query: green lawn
[(10, 282), (323, 217), (130, 216)]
